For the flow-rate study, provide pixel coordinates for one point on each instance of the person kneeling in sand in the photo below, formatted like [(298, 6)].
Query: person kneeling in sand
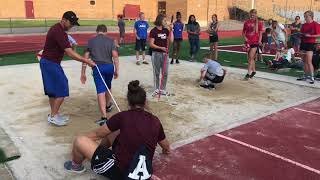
[(132, 150), (211, 73)]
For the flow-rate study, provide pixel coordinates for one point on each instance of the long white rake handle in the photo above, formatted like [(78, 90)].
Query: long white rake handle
[(115, 102)]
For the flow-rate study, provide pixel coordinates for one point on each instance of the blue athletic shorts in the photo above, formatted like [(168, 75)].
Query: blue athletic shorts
[(107, 71), (55, 82)]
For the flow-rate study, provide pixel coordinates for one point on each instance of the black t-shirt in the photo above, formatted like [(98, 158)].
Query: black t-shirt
[(160, 37)]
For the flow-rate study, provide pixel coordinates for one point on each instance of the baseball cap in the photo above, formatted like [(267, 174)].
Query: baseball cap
[(72, 17)]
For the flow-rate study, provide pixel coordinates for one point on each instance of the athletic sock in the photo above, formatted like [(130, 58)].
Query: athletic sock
[(75, 165)]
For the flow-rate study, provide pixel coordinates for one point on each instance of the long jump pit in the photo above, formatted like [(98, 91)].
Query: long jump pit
[(193, 113)]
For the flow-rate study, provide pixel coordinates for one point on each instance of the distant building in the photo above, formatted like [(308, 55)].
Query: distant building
[(109, 9)]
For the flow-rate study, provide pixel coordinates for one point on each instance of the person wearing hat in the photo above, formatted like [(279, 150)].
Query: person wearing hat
[(54, 80)]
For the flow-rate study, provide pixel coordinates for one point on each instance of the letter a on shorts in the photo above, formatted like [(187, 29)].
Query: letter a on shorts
[(140, 166), (141, 171)]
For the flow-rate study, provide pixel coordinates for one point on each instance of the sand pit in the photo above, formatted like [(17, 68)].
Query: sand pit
[(44, 148)]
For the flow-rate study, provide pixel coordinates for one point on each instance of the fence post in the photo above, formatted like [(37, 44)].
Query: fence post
[(10, 24), (46, 24)]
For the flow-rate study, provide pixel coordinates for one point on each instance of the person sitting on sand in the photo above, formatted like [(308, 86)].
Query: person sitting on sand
[(283, 59), (132, 150), (211, 73)]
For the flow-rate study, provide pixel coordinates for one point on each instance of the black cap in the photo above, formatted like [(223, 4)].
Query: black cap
[(72, 17)]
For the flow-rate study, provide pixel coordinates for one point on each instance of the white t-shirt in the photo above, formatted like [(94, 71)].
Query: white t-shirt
[(280, 35), (213, 67), (288, 56)]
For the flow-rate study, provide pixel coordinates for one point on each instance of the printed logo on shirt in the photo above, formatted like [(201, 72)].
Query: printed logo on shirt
[(162, 36), (142, 26)]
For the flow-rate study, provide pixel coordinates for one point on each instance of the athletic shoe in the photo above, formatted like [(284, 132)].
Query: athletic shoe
[(246, 77), (145, 62), (317, 77), (155, 92), (311, 80), (69, 166), (101, 121), (64, 117), (252, 74), (177, 61), (57, 120), (110, 107), (171, 62), (302, 78), (206, 86), (165, 93), (138, 63), (191, 60)]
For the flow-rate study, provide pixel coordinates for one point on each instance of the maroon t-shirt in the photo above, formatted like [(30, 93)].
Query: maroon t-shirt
[(137, 127), (160, 37), (56, 43)]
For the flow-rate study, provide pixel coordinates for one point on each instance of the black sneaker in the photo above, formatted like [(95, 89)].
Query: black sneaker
[(303, 78), (252, 74), (171, 61), (317, 77), (110, 107), (211, 86), (101, 121), (177, 61), (246, 77), (311, 81)]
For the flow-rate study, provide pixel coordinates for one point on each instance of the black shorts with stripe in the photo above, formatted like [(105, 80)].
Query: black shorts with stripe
[(103, 163)]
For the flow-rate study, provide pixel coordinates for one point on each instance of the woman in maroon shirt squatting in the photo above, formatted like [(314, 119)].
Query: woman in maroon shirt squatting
[(132, 150)]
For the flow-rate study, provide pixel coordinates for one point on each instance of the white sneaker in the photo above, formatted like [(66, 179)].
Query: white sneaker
[(64, 117), (138, 63), (57, 120), (165, 93), (155, 92)]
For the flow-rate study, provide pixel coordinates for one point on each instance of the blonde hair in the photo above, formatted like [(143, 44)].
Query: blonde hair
[(309, 13)]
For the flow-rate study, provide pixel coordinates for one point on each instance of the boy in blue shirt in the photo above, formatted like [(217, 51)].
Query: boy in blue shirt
[(177, 33), (141, 31)]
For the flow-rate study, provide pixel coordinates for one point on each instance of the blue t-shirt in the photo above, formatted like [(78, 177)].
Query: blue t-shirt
[(142, 29), (178, 29)]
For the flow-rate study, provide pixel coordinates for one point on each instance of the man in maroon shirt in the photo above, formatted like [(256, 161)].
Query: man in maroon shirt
[(132, 151), (55, 82)]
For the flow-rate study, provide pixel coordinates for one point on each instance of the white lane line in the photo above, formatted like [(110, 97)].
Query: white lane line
[(311, 112), (269, 153)]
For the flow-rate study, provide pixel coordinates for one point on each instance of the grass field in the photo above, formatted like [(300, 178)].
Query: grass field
[(225, 58), (48, 23)]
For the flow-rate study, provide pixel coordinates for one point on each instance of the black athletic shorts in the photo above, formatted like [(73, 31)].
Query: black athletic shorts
[(178, 39), (256, 46), (213, 78), (103, 163), (141, 44), (308, 47), (213, 38)]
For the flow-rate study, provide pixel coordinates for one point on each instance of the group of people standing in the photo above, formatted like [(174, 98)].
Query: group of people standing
[(303, 38)]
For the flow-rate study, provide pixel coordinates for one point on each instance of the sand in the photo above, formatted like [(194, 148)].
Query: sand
[(191, 112)]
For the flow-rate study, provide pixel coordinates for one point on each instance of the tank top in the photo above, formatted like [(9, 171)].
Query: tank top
[(213, 26)]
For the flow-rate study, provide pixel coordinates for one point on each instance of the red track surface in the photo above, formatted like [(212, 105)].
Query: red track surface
[(292, 133), (15, 44)]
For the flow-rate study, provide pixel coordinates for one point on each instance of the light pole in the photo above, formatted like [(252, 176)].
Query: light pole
[(208, 12), (113, 9)]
